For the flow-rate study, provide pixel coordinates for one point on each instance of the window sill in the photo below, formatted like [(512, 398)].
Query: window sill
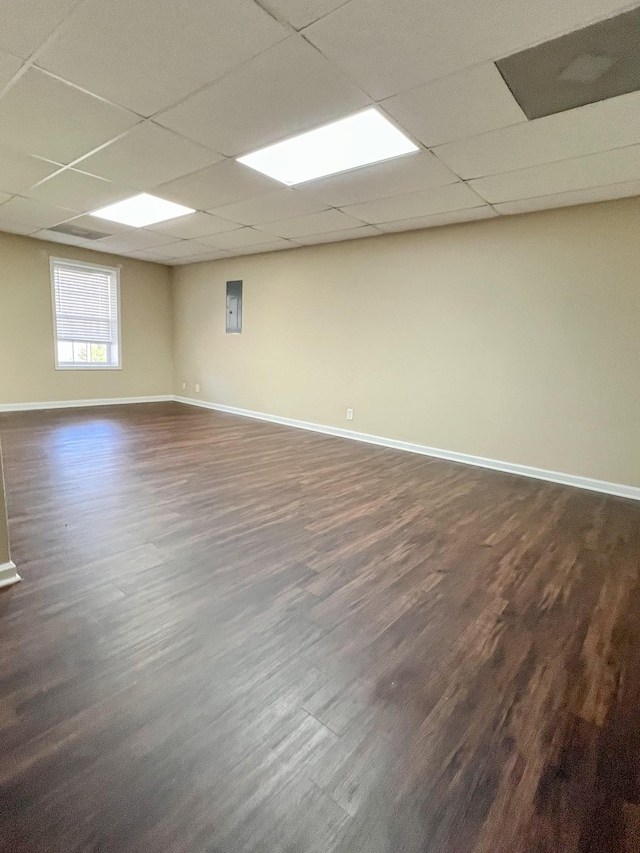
[(87, 367)]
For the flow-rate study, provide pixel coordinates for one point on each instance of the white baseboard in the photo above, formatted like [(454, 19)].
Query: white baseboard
[(8, 574), (618, 489), (81, 404)]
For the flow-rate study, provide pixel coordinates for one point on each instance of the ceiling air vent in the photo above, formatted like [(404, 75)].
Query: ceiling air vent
[(598, 62), (78, 231)]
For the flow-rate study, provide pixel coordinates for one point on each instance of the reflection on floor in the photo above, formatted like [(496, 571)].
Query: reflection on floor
[(234, 636)]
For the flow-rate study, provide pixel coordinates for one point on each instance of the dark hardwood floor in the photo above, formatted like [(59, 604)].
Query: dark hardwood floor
[(233, 636)]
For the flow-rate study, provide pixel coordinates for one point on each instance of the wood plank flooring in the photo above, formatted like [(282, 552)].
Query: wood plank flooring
[(234, 636)]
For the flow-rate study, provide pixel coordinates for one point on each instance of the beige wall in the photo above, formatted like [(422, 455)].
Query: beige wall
[(516, 338), (4, 531), (27, 372)]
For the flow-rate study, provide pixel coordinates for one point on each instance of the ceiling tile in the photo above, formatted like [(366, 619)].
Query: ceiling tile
[(149, 54), (275, 246), (9, 64), (608, 167), (339, 236), (288, 89), (183, 249), (237, 239), (79, 191), (32, 214), (418, 171), (436, 219), (11, 227), (18, 171), (27, 23), (567, 199), (194, 225), (422, 203), (386, 49), (151, 260), (300, 13), (136, 238), (152, 257), (464, 104), (44, 116), (585, 130), (111, 250), (314, 223), (215, 186), (211, 255), (147, 156), (281, 204)]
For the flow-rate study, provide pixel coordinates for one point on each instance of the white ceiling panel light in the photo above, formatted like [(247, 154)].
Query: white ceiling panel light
[(358, 140), (142, 210)]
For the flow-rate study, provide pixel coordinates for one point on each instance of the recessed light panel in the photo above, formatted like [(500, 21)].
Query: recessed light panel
[(142, 210), (361, 139)]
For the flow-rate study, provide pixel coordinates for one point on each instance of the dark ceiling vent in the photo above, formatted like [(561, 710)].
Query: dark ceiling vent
[(593, 64), (78, 231)]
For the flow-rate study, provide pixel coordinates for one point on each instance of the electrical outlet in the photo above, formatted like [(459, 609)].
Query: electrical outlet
[(349, 414), (197, 388), (184, 386)]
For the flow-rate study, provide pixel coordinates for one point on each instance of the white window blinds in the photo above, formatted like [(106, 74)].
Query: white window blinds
[(85, 299)]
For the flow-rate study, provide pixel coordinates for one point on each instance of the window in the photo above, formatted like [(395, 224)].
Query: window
[(86, 307)]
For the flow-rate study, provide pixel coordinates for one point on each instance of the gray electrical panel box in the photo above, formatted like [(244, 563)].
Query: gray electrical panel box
[(234, 307)]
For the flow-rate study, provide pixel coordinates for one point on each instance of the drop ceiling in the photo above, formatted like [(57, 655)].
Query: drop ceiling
[(101, 101)]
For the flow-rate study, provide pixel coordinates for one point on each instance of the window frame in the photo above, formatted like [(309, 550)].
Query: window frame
[(87, 365)]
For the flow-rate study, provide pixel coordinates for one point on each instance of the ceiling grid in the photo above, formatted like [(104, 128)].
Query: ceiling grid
[(101, 102)]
